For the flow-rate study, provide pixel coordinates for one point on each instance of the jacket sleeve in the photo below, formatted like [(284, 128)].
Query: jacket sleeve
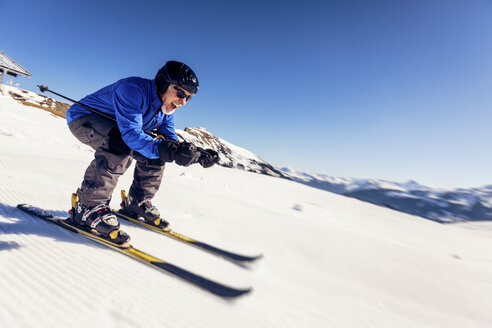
[(167, 127), (128, 101)]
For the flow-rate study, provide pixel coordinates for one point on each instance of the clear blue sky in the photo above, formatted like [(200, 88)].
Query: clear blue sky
[(373, 89)]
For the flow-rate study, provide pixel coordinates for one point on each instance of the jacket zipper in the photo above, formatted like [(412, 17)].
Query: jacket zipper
[(157, 112)]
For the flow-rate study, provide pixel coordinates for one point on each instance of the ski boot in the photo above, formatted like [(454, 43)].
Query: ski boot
[(141, 209), (98, 218)]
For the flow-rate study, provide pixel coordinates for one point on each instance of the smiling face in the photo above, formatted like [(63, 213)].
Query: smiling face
[(170, 99)]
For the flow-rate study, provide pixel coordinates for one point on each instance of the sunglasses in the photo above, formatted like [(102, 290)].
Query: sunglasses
[(181, 94)]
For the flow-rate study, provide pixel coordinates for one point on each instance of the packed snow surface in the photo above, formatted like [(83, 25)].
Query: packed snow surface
[(330, 260)]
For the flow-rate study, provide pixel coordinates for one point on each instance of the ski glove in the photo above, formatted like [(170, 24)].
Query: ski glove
[(208, 158), (183, 153)]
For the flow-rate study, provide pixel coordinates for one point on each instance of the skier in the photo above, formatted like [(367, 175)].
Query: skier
[(139, 106)]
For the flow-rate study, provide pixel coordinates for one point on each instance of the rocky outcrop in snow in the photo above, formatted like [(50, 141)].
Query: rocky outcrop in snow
[(230, 155), (32, 99)]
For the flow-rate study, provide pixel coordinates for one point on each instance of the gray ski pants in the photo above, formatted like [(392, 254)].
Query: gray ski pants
[(102, 175)]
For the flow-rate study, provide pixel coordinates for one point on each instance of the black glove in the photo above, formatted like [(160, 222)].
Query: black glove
[(208, 158), (183, 153)]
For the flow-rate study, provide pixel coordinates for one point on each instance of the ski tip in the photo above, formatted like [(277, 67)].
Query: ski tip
[(238, 293), (247, 259), (231, 292), (257, 257), (27, 208)]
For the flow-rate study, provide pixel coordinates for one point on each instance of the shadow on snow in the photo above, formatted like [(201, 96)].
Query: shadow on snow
[(22, 223)]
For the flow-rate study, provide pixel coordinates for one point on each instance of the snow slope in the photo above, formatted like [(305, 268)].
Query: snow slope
[(330, 260)]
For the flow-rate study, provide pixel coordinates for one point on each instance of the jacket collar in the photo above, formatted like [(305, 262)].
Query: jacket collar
[(156, 100)]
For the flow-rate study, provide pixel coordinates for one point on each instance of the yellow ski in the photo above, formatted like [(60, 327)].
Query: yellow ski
[(187, 240), (129, 250)]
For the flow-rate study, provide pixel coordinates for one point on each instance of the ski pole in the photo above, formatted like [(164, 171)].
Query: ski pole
[(44, 88)]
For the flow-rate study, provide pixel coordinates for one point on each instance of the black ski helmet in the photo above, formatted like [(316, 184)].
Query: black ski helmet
[(174, 72)]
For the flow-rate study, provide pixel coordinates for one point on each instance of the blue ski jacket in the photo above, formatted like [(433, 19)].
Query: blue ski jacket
[(135, 105)]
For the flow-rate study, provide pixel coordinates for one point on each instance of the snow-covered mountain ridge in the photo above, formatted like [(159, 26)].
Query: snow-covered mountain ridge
[(439, 205), (231, 156), (445, 206)]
